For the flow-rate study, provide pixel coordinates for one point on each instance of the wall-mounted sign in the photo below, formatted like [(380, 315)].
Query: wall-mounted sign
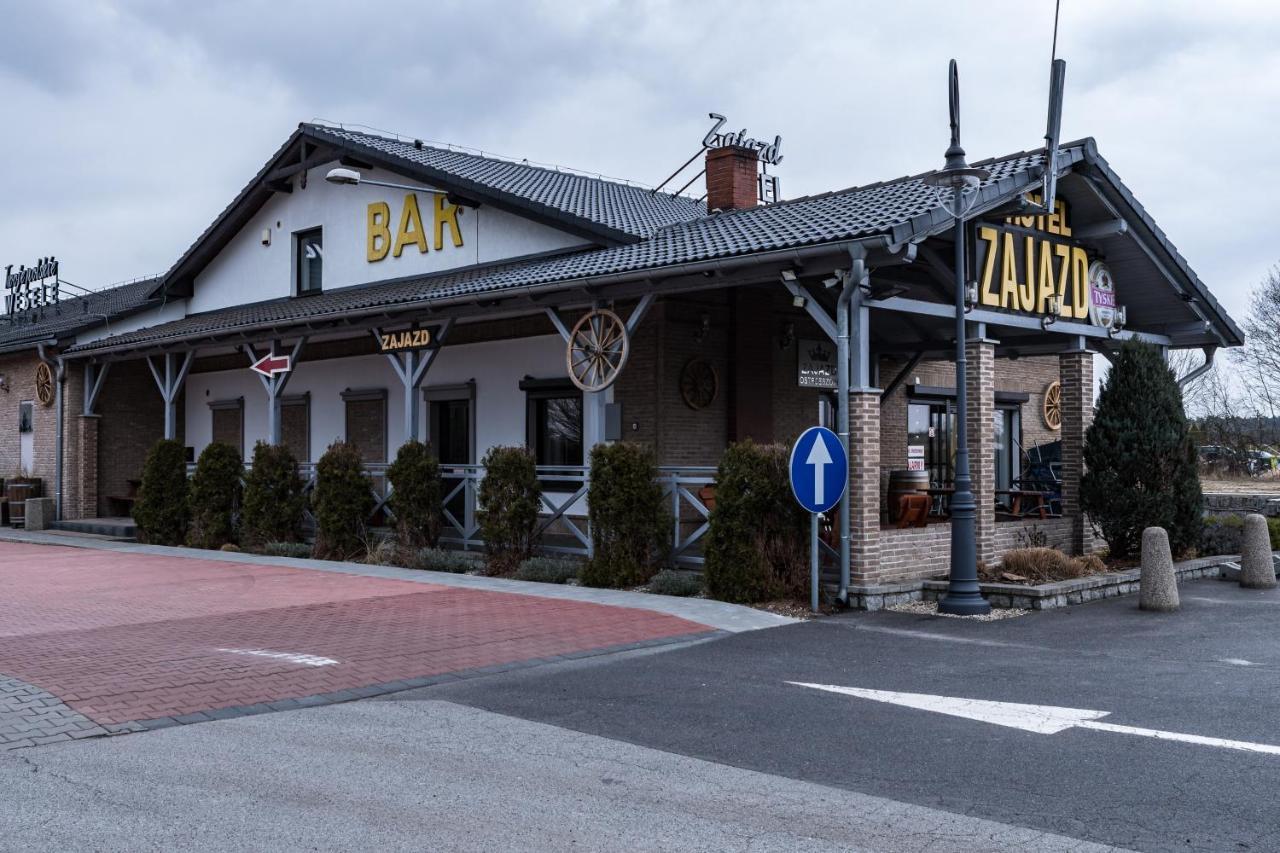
[(1102, 295), (915, 457), (411, 231), (408, 339), (271, 364), (1031, 266), (769, 152), (30, 287), (817, 364)]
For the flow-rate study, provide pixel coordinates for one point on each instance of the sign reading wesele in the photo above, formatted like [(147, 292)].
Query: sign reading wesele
[(1031, 265), (408, 339)]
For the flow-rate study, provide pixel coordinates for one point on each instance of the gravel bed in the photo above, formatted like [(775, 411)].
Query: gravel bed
[(930, 608)]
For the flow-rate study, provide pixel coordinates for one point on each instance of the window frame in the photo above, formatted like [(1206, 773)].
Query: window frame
[(299, 240), (540, 390)]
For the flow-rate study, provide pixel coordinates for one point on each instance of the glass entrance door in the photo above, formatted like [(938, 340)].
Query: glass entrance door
[(930, 437)]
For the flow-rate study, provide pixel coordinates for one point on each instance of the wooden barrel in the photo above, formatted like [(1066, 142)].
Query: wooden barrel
[(903, 482), (16, 494)]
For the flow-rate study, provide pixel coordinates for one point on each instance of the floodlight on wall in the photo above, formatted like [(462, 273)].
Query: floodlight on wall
[(1052, 307), (347, 177)]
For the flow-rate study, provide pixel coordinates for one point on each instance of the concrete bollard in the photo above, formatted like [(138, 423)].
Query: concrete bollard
[(1158, 585), (1256, 569)]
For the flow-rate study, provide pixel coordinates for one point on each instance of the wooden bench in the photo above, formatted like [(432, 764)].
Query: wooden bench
[(124, 503)]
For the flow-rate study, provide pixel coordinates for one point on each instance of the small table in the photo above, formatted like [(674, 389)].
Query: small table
[(1039, 506)]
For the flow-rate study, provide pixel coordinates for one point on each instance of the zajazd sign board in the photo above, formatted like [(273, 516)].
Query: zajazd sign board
[(407, 339), (817, 365), (1030, 265)]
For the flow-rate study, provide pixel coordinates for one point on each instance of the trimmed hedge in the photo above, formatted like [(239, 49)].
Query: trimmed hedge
[(162, 511), (442, 560), (548, 570), (673, 582), (216, 494), (630, 524), (1223, 534), (273, 498), (342, 503), (416, 491), (757, 544), (509, 499)]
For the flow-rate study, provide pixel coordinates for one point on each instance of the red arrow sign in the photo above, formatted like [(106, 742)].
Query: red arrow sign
[(270, 365)]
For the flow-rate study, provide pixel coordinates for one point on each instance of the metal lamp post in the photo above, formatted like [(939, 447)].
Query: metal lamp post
[(963, 596)]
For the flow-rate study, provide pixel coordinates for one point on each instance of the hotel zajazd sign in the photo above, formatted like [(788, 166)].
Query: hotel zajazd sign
[(1030, 265)]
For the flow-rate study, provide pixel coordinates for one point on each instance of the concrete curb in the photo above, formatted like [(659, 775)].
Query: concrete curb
[(731, 618)]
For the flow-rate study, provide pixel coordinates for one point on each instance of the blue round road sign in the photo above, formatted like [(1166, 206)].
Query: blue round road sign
[(819, 469)]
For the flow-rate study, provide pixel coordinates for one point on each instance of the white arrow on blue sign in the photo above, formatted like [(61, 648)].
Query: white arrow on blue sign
[(819, 469)]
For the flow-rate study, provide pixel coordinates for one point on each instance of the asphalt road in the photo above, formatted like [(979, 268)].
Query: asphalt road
[(1212, 669)]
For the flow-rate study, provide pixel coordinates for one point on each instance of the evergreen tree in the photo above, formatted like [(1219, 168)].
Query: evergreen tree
[(1140, 461), (416, 492), (342, 502), (215, 496), (273, 498), (163, 511)]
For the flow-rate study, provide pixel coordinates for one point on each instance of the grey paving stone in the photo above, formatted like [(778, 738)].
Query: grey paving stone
[(31, 716)]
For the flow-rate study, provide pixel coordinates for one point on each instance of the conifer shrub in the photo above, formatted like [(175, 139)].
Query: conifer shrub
[(630, 523), (163, 510), (342, 503), (299, 550), (216, 493), (1140, 461), (274, 502), (443, 560), (416, 492), (509, 498), (757, 544)]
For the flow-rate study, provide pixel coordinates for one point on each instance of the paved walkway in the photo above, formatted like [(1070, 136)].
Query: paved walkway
[(95, 639)]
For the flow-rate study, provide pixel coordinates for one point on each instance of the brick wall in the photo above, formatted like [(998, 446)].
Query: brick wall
[(980, 425), (913, 553), (864, 487), (1076, 371), (132, 421)]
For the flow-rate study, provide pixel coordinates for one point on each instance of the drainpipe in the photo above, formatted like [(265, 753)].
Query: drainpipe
[(1209, 353), (59, 377), (852, 282)]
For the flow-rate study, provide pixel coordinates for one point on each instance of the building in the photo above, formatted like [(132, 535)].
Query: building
[(388, 289)]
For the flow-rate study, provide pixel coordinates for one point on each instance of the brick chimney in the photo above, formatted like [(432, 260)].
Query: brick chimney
[(731, 178)]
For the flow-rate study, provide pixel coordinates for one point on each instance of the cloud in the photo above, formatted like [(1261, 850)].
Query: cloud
[(130, 125)]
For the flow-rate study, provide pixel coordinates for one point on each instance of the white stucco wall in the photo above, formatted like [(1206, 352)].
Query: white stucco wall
[(166, 313), (247, 271), (496, 367)]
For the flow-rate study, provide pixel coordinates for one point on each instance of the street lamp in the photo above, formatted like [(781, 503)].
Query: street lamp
[(956, 184)]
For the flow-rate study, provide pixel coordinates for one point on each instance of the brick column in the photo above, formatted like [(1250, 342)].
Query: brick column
[(1075, 369), (86, 486), (864, 485), (981, 387)]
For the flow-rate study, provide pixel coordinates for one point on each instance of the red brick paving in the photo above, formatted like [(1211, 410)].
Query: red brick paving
[(122, 637)]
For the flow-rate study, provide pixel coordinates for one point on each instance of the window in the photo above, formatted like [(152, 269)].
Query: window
[(228, 423), (554, 421), (26, 416), (1008, 441), (367, 422), (295, 425), (310, 261), (930, 442)]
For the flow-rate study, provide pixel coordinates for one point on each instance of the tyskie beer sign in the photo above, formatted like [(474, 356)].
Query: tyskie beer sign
[(1030, 265)]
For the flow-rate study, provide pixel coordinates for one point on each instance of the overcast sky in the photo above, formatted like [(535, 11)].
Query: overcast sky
[(128, 126)]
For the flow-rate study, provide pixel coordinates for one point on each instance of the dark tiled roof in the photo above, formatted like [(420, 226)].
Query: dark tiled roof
[(615, 206), (74, 315), (900, 210)]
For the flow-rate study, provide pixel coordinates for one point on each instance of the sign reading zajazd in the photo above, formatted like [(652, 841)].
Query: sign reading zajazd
[(30, 287), (408, 339), (817, 365), (382, 241), (1030, 265)]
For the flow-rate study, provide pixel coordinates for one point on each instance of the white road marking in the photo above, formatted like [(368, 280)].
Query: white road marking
[(291, 657), (1237, 661), (1040, 719)]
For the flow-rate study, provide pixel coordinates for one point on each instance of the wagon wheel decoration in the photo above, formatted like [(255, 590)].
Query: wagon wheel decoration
[(44, 384), (598, 348), (698, 383), (1053, 405)]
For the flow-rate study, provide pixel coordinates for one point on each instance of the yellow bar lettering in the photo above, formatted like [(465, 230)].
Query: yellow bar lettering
[(1027, 287), (410, 226), (446, 214), (379, 241), (1008, 275)]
